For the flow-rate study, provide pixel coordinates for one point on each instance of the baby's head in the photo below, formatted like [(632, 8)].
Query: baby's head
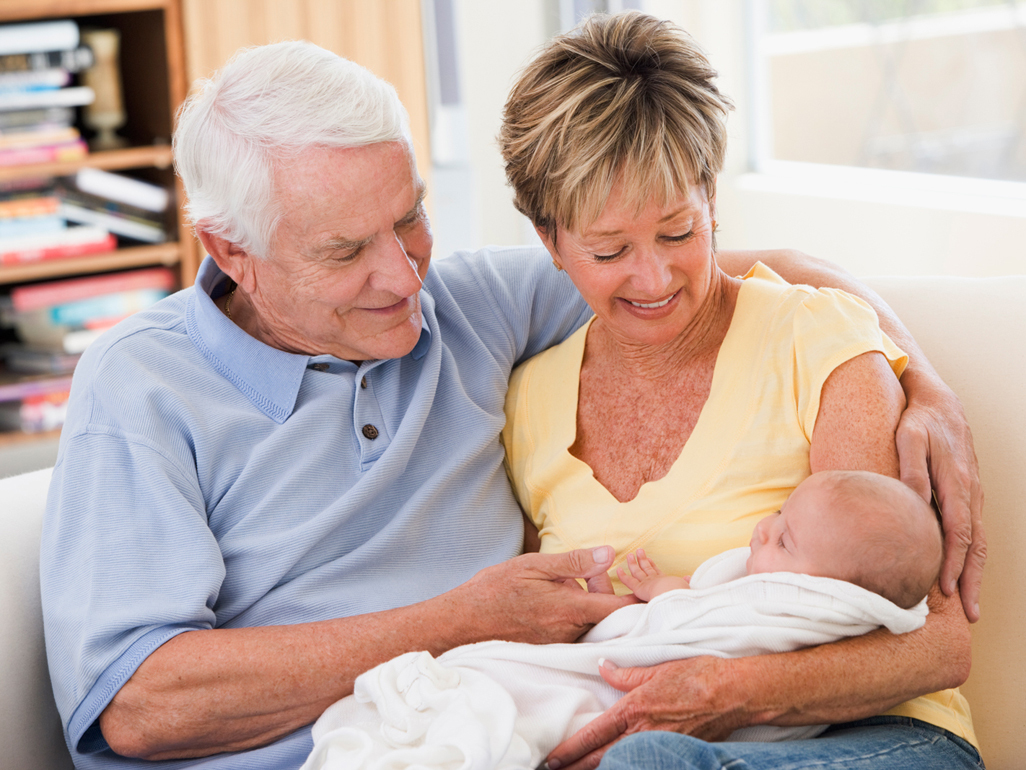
[(862, 527)]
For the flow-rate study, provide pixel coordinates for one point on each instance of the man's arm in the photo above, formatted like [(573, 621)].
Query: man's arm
[(934, 441), (212, 691)]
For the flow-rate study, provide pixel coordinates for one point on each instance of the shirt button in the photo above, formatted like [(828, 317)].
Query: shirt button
[(320, 367), (363, 382), (370, 431)]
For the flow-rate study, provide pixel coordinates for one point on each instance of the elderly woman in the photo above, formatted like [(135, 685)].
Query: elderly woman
[(692, 405)]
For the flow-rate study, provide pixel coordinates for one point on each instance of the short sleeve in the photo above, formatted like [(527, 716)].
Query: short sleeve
[(109, 556), (830, 328)]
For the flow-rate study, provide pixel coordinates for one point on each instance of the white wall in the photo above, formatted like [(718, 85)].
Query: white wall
[(877, 226)]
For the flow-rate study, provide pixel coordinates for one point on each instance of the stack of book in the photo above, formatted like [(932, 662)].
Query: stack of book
[(55, 322), (37, 92), (88, 212)]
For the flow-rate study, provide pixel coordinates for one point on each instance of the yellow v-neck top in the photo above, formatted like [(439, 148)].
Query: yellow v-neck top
[(749, 448)]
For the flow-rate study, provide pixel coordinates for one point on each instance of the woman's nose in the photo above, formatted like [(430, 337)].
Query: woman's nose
[(652, 274)]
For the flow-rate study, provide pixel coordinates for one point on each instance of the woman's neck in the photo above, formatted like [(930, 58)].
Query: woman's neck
[(700, 338)]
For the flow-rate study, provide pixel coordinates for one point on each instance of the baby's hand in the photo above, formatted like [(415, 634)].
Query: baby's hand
[(645, 579)]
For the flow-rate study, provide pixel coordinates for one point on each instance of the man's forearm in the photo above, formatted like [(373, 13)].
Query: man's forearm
[(207, 692)]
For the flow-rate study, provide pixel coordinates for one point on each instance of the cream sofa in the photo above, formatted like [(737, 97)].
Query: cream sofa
[(974, 331)]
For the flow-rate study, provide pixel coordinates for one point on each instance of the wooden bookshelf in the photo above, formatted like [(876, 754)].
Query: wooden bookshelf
[(154, 82)]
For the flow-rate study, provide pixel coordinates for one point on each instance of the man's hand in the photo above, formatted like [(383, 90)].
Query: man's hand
[(683, 696), (935, 445), (535, 598)]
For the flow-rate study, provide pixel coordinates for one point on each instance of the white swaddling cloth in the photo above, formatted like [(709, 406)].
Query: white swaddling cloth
[(505, 705)]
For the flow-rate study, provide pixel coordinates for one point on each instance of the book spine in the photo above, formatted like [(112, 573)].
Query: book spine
[(73, 96), (47, 153), (26, 120), (38, 36), (34, 80), (115, 208), (21, 226), (41, 295), (71, 59), (38, 138), (122, 189), (107, 306), (58, 251), (122, 226), (36, 205)]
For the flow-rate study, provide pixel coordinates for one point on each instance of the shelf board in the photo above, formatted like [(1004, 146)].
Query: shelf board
[(137, 256), (131, 157), (29, 10)]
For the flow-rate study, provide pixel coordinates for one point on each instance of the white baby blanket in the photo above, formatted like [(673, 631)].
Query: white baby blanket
[(506, 705)]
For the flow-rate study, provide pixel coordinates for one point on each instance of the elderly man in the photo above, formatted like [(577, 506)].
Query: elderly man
[(274, 480)]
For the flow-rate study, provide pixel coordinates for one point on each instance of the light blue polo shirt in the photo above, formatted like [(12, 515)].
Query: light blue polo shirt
[(206, 480)]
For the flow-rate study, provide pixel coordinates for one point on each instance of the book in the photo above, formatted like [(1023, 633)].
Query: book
[(72, 242), (36, 413), (35, 296), (38, 136), (16, 227), (66, 192), (27, 359), (38, 36), (74, 96), (26, 387), (122, 189), (126, 227), (59, 152), (34, 80), (32, 205), (48, 117), (71, 59)]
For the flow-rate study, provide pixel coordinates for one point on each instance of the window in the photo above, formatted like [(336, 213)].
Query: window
[(928, 86)]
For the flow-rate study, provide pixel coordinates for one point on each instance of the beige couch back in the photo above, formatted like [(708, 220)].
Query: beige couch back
[(974, 331)]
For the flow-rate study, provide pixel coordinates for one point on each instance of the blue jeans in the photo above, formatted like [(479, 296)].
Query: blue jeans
[(879, 743)]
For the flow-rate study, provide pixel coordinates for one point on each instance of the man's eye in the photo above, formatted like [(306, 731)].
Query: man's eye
[(343, 259)]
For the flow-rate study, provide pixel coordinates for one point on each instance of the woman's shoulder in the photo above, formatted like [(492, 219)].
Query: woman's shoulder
[(763, 289)]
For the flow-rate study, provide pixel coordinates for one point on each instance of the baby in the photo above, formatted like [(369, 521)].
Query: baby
[(865, 528), (506, 704)]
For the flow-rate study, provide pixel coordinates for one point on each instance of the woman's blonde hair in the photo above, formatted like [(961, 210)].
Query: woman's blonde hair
[(625, 97)]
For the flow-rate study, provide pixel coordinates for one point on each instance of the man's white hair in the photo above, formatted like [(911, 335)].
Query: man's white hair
[(265, 106)]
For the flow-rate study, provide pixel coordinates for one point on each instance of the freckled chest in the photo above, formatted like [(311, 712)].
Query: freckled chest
[(631, 429)]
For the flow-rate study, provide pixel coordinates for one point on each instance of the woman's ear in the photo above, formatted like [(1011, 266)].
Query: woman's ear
[(545, 234), (233, 260)]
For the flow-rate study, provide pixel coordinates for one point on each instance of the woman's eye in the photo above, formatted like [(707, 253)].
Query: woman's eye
[(680, 238), (610, 257)]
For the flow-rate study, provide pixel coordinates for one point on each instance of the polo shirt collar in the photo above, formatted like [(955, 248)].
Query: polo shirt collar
[(268, 377)]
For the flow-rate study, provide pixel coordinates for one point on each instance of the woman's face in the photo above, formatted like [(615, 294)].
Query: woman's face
[(644, 274)]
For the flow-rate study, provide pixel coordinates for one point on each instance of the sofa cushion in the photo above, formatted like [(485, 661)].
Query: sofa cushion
[(973, 330), (30, 729)]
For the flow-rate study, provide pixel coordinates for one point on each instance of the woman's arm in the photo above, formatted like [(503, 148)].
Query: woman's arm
[(933, 439), (709, 698)]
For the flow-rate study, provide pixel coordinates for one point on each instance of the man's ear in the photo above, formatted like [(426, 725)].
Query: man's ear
[(233, 260)]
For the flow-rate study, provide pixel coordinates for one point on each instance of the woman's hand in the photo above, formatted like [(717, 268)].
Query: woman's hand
[(935, 443), (690, 696)]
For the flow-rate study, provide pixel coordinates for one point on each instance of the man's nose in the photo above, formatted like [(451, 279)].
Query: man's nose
[(395, 271)]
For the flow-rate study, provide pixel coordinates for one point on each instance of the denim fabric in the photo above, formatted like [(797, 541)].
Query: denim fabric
[(879, 743)]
